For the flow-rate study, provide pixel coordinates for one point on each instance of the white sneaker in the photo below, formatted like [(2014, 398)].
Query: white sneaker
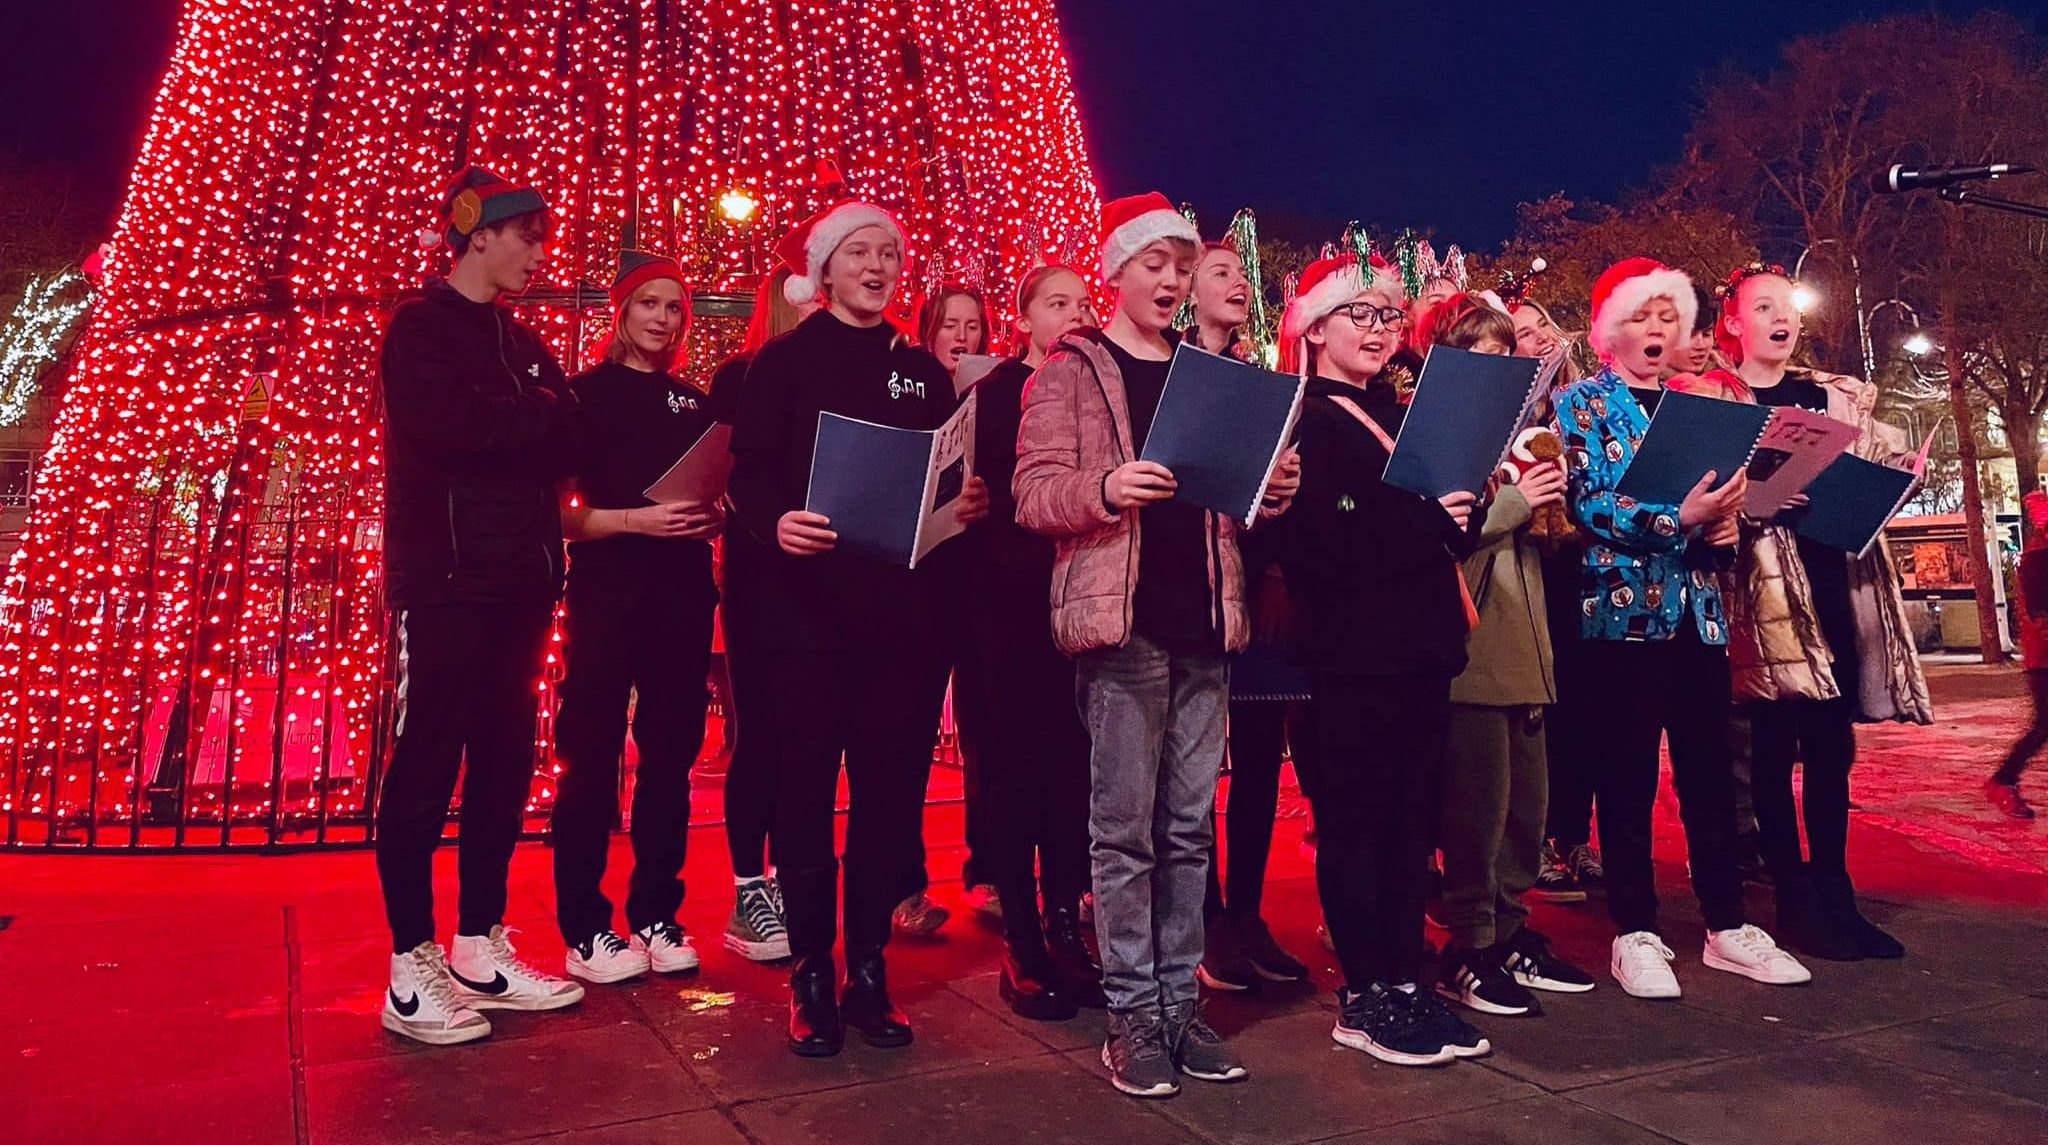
[(665, 947), (424, 1003), (1748, 951), (490, 975), (1642, 964), (605, 957)]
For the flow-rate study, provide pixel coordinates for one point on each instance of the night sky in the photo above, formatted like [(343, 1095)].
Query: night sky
[(1422, 114)]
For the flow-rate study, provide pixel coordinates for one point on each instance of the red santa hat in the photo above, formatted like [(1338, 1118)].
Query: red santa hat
[(809, 247), (1327, 284), (1630, 284), (1130, 225)]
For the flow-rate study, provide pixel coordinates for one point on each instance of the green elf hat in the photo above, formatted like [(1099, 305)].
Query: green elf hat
[(637, 268), (477, 198)]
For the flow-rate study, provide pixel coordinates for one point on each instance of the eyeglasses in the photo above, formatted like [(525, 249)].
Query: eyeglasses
[(1366, 316)]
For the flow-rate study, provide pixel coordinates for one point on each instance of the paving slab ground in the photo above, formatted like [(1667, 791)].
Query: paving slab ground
[(223, 1000)]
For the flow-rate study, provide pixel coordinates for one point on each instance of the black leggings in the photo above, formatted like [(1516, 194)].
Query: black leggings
[(876, 708), (750, 774), (1030, 770), (630, 631), (1822, 735), (1262, 732)]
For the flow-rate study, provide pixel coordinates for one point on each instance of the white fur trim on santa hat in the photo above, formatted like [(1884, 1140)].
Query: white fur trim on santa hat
[(1335, 289), (1124, 243), (838, 224), (1631, 294)]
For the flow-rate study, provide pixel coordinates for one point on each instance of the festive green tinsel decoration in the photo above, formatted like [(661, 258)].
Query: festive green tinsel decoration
[(1244, 238), (1358, 244), (1185, 316), (1407, 259)]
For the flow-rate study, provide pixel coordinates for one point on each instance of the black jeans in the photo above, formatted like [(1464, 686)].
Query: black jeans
[(2030, 743), (1372, 782), (877, 707), (1649, 690), (750, 773), (1030, 766), (628, 628), (465, 703), (1261, 732), (1822, 736)]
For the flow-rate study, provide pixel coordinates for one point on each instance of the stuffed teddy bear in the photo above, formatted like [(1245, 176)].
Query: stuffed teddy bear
[(1535, 446)]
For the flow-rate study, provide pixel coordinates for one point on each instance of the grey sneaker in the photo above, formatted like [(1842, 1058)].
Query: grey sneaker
[(1554, 880), (1586, 867), (1137, 1056), (1198, 1049)]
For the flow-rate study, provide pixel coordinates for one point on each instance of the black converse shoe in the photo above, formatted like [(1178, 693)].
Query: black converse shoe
[(1530, 960), (1474, 979)]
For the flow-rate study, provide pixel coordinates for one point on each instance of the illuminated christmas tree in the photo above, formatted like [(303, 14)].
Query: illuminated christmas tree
[(193, 630)]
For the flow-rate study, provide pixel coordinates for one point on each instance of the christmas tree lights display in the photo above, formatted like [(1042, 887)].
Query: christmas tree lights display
[(194, 646)]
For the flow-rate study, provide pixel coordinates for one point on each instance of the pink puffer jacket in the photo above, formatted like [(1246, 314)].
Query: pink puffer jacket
[(1077, 428)]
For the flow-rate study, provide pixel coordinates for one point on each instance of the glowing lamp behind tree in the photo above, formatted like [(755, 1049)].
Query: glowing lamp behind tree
[(1805, 298), (737, 206), (1919, 345)]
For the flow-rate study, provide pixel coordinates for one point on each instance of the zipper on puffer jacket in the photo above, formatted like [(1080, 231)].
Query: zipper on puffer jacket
[(1130, 542)]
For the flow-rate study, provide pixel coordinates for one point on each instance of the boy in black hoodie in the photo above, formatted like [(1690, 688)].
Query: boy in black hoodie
[(477, 421)]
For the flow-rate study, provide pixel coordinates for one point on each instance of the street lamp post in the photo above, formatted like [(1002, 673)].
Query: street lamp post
[(1856, 274)]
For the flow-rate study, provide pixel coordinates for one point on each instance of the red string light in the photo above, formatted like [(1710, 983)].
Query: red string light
[(209, 552)]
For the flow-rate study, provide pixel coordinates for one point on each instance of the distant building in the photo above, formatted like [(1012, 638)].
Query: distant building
[(22, 446)]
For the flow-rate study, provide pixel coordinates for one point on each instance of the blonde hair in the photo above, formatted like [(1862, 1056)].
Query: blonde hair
[(774, 314), (617, 348)]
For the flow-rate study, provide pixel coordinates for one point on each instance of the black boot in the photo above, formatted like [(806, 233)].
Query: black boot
[(1835, 896), (814, 1027), (1802, 924), (1080, 974), (865, 1003), (1033, 989)]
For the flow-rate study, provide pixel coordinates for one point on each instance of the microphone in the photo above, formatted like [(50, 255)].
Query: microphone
[(1899, 178)]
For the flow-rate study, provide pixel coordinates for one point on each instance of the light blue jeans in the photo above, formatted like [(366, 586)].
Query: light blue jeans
[(1156, 721)]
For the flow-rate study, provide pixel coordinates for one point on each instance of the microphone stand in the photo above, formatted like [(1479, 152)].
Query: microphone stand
[(1969, 198)]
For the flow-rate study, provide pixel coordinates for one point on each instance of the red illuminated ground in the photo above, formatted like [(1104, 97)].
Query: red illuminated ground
[(225, 1000)]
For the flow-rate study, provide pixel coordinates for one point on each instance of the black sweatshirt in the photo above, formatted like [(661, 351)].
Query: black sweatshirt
[(1371, 570), (479, 427), (1008, 558), (824, 365), (634, 427)]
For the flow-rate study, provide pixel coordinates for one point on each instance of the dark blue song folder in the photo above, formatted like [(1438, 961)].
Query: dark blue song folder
[(1464, 416), (1853, 499), (1689, 435), (1220, 428), (891, 494)]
